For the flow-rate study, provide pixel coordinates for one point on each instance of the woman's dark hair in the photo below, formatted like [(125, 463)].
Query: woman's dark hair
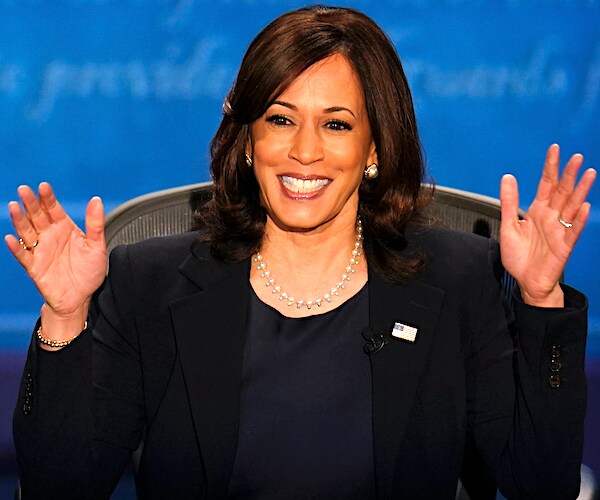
[(233, 221)]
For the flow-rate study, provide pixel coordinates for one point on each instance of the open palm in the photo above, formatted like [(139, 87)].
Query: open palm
[(535, 250), (66, 265)]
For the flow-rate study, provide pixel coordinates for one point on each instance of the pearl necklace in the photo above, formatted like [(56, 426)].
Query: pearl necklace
[(335, 291)]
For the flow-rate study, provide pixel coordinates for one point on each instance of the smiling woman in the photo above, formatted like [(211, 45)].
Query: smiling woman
[(231, 361)]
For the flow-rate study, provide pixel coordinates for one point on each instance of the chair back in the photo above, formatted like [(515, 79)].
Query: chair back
[(161, 213)]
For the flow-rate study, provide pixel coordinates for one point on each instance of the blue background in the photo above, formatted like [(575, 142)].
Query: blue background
[(121, 97)]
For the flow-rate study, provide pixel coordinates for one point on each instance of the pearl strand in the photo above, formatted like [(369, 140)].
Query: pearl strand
[(261, 266)]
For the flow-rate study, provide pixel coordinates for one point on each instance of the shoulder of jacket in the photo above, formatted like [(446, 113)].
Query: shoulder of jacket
[(159, 252), (436, 239), (455, 255)]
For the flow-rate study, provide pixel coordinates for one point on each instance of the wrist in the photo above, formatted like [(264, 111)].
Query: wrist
[(58, 327), (555, 298), (51, 344)]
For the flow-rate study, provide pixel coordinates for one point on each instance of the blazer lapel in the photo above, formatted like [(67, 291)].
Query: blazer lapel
[(210, 330), (396, 367)]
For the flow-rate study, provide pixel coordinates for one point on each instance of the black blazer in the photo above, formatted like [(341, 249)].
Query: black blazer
[(470, 398)]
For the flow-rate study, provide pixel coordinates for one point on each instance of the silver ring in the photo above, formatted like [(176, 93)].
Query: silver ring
[(25, 247), (564, 222)]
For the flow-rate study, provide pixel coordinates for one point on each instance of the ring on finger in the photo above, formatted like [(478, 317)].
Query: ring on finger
[(28, 248), (564, 222)]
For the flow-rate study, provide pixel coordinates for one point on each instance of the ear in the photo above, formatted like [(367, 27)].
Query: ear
[(372, 158), (248, 146)]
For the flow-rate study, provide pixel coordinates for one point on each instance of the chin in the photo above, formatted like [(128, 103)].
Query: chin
[(304, 220), (297, 223)]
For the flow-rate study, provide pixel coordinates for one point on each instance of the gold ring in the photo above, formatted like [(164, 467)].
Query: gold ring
[(25, 247), (564, 222)]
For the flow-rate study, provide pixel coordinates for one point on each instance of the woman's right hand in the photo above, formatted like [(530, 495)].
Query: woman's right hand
[(66, 265)]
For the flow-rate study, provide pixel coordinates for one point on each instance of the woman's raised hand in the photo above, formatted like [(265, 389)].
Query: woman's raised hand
[(66, 265), (535, 250)]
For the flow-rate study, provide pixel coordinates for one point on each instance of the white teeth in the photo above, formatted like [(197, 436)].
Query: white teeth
[(303, 185)]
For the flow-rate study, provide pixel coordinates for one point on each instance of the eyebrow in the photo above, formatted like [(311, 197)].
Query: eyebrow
[(332, 109)]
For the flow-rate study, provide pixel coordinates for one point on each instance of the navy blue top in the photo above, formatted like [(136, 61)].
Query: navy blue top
[(305, 421)]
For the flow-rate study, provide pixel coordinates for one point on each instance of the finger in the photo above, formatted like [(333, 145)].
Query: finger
[(50, 204), (94, 220), (37, 217), (565, 186), (23, 256), (572, 234), (509, 201), (576, 200), (549, 177), (22, 224)]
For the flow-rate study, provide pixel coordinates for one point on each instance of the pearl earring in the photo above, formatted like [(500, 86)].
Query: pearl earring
[(248, 160), (371, 171)]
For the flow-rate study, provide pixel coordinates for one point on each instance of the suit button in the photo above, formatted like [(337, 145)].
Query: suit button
[(26, 408), (555, 365), (556, 351), (554, 381)]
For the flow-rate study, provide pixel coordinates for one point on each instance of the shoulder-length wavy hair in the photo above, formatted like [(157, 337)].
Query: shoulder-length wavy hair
[(233, 221)]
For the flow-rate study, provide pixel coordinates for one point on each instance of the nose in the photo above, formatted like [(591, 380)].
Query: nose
[(307, 146)]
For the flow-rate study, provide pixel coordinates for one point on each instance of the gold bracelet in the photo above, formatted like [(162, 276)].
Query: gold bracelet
[(57, 343)]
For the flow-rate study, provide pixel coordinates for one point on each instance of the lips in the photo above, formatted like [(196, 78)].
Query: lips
[(303, 186)]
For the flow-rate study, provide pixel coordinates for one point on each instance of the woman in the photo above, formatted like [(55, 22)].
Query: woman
[(232, 359)]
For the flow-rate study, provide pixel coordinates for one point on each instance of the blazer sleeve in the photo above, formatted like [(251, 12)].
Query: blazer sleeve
[(80, 410), (527, 390)]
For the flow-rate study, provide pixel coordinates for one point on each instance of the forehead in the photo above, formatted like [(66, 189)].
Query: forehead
[(331, 81)]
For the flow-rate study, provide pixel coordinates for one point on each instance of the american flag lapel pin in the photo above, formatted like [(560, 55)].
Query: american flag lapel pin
[(405, 332)]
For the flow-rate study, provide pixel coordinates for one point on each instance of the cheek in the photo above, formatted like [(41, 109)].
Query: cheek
[(358, 179), (353, 153), (268, 182), (268, 152)]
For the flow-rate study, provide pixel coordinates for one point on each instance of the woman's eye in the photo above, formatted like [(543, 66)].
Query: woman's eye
[(279, 120), (339, 125)]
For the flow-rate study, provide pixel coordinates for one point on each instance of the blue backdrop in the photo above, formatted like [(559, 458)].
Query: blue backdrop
[(121, 97)]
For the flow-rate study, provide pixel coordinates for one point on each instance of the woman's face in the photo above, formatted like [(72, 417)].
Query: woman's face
[(309, 150)]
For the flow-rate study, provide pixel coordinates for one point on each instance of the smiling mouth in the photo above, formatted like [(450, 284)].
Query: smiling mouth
[(303, 186)]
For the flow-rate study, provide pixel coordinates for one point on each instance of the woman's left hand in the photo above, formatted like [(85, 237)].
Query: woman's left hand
[(535, 250)]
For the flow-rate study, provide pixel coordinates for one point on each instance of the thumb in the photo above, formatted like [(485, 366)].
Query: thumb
[(94, 219)]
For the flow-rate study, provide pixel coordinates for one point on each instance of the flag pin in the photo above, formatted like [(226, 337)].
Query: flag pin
[(405, 332)]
